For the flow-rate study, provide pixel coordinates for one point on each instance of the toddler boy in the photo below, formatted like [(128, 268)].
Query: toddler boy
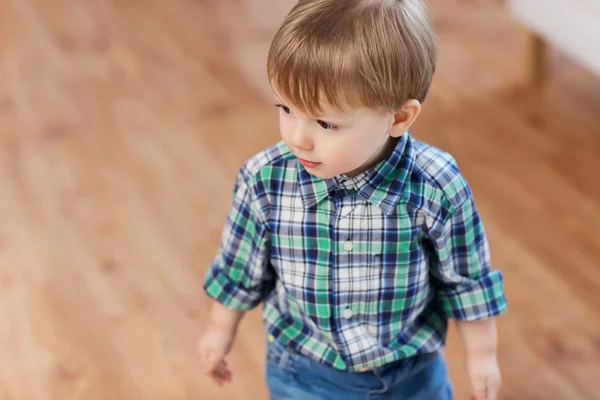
[(361, 241)]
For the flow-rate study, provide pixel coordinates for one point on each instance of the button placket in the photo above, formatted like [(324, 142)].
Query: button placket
[(344, 205), (348, 246)]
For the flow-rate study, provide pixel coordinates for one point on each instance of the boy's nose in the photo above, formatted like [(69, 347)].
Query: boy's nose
[(301, 138)]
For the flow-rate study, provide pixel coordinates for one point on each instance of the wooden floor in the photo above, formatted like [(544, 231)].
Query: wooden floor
[(122, 124)]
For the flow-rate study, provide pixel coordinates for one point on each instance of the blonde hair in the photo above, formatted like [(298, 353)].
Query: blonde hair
[(358, 53)]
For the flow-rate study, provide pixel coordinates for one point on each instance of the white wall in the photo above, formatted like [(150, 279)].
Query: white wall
[(572, 26)]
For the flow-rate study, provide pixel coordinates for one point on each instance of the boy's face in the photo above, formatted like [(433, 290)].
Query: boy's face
[(336, 143)]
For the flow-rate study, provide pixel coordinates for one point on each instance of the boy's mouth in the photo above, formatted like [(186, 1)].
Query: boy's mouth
[(308, 164)]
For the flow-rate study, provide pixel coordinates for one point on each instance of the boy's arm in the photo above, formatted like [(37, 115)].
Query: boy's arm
[(469, 290), (480, 341), (239, 278), (216, 340), (223, 318), (467, 286), (479, 338)]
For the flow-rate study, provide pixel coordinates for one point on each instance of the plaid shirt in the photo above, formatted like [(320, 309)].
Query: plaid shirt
[(356, 272)]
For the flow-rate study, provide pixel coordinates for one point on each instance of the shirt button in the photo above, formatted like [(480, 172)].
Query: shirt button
[(270, 338), (347, 314), (348, 246)]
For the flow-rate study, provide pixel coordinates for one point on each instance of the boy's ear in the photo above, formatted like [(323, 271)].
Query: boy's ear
[(404, 118)]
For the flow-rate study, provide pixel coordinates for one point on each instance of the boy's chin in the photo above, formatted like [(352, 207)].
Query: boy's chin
[(320, 174)]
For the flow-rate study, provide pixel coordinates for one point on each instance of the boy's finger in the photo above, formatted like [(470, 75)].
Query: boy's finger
[(217, 379), (221, 376), (492, 390), (479, 389), (211, 361), (223, 369), (492, 387)]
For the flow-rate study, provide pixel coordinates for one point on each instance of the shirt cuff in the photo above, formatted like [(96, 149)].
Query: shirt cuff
[(229, 293), (483, 299)]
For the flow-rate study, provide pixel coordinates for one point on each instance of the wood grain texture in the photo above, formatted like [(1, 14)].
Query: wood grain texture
[(122, 125)]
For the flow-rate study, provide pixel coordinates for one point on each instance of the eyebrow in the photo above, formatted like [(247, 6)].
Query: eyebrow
[(332, 119)]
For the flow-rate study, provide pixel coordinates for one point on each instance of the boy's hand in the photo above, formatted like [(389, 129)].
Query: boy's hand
[(484, 375), (214, 344), (480, 340)]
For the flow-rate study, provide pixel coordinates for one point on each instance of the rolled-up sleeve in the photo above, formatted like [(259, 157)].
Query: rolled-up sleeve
[(240, 276), (468, 288)]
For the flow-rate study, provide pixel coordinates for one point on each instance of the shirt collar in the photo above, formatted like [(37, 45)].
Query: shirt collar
[(381, 185)]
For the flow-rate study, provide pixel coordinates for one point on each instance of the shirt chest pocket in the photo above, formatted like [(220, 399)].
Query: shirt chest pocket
[(385, 271), (394, 271)]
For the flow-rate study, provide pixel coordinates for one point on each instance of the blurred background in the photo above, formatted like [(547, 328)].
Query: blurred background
[(123, 123)]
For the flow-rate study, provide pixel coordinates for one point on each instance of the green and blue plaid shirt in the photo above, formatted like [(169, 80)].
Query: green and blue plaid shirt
[(356, 272)]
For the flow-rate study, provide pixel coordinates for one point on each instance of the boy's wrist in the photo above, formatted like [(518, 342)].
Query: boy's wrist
[(480, 338), (225, 327), (224, 319), (481, 351)]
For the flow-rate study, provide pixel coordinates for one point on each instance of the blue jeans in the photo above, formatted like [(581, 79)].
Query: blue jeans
[(291, 376)]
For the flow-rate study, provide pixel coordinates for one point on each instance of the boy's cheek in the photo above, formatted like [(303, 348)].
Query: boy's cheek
[(285, 127)]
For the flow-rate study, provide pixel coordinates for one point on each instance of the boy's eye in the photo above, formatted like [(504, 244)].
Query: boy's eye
[(285, 109), (326, 125)]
